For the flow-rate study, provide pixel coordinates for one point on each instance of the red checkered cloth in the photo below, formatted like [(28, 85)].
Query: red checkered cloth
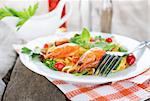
[(122, 91)]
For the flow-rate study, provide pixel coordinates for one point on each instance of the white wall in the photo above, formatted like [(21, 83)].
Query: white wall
[(131, 18)]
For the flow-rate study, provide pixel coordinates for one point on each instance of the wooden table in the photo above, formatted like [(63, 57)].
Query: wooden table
[(25, 85)]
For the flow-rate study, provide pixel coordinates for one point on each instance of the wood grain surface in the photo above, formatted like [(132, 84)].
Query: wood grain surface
[(26, 85)]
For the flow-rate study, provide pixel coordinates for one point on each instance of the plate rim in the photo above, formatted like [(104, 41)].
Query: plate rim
[(72, 80)]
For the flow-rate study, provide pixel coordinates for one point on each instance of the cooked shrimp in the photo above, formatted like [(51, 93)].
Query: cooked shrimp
[(65, 50), (62, 41), (89, 59)]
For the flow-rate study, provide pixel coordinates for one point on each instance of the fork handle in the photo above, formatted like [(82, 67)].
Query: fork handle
[(140, 46), (148, 43)]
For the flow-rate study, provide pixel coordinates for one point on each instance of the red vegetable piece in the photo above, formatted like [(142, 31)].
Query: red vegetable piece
[(59, 66), (46, 45), (131, 59), (109, 40)]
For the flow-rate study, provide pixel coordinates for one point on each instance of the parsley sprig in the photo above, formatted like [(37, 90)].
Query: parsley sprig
[(22, 15), (36, 54), (33, 54)]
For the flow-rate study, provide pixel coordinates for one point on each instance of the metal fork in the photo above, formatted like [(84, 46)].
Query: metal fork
[(111, 60)]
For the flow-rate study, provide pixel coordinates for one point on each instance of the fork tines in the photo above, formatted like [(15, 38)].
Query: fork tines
[(107, 64)]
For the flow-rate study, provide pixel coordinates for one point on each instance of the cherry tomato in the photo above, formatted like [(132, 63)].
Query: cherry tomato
[(59, 66), (109, 40), (46, 45), (131, 59)]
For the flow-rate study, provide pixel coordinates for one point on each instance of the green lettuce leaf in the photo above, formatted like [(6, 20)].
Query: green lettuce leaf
[(83, 40)]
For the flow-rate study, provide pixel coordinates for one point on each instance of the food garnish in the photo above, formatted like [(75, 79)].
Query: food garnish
[(22, 15)]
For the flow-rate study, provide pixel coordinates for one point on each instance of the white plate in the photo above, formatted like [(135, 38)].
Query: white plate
[(141, 65)]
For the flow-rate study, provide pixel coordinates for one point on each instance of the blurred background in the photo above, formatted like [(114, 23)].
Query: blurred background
[(126, 17)]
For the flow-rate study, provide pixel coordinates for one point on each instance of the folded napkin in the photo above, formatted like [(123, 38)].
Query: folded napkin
[(135, 88)]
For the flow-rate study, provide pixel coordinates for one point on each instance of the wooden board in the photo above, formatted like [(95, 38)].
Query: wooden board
[(25, 85)]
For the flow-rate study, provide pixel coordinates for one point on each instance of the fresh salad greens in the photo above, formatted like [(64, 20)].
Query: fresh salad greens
[(50, 63), (36, 54), (83, 39), (81, 73), (33, 54), (26, 50), (109, 47), (22, 15), (121, 49)]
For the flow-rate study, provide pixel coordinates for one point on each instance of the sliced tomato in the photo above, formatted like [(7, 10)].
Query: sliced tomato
[(59, 66), (131, 59)]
